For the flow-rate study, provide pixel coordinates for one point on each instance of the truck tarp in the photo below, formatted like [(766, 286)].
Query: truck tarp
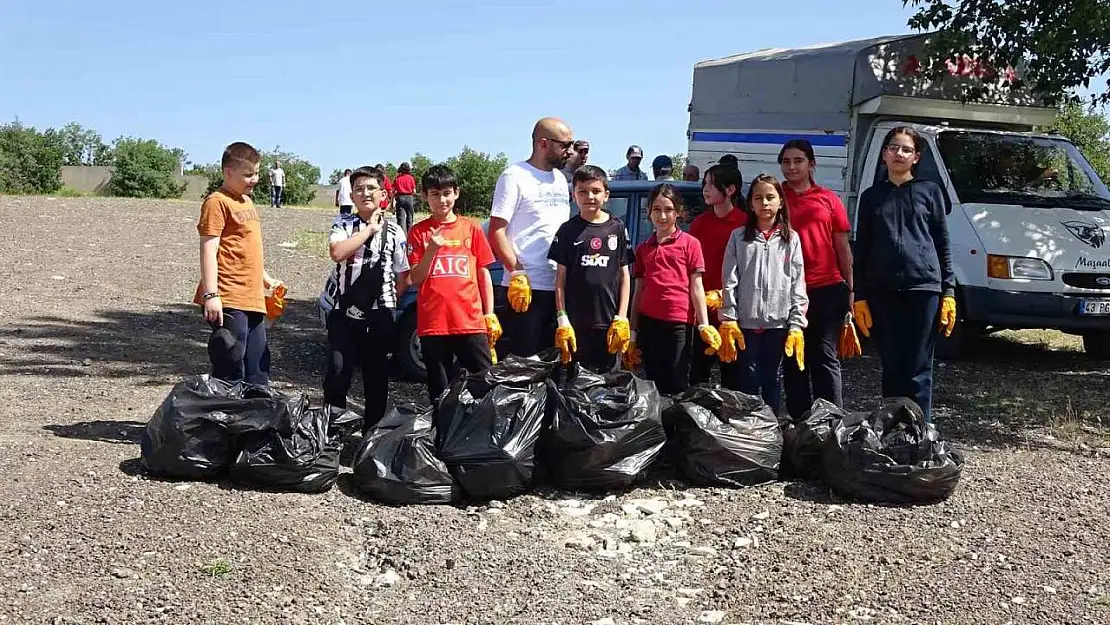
[(817, 87)]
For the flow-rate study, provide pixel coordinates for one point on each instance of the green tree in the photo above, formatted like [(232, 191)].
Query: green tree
[(477, 173), (1060, 45), (1089, 130), (336, 174), (30, 161), (144, 168), (82, 146), (301, 178), (679, 160)]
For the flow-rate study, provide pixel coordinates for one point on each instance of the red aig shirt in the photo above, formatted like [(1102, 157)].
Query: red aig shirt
[(448, 300), (713, 233), (816, 215), (665, 270)]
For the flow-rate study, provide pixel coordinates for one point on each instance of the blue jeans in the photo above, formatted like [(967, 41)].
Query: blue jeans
[(906, 333), (276, 196), (760, 363), (249, 329)]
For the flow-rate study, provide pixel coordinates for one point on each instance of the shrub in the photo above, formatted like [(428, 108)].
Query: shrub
[(144, 168)]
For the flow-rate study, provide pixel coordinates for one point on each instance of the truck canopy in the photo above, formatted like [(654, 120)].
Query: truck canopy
[(822, 87)]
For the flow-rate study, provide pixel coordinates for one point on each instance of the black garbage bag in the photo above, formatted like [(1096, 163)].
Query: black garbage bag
[(397, 462), (188, 436), (723, 437), (605, 430), (804, 441), (298, 452), (487, 426), (892, 456)]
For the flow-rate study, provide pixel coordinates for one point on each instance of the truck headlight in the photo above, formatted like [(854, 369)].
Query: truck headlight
[(1017, 268)]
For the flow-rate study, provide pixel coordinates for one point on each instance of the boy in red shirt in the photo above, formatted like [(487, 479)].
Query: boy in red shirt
[(450, 260), (668, 268), (721, 189)]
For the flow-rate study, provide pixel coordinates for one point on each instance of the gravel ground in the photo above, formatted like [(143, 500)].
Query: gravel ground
[(96, 326)]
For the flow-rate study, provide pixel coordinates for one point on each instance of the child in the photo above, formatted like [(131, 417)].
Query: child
[(454, 305), (668, 269), (764, 293), (371, 269), (721, 190), (593, 253), (903, 270), (233, 280)]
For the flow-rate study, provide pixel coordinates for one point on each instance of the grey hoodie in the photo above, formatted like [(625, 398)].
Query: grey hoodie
[(764, 282)]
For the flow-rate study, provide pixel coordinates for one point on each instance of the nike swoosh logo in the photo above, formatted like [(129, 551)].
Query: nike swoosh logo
[(577, 243)]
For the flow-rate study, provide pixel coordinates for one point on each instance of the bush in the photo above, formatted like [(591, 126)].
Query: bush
[(301, 177), (478, 173), (30, 161), (144, 168)]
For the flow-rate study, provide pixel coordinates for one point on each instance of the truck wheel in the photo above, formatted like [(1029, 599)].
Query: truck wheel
[(408, 353), (1097, 345), (963, 344)]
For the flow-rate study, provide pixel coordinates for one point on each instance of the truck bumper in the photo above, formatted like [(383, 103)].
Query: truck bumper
[(1021, 310)]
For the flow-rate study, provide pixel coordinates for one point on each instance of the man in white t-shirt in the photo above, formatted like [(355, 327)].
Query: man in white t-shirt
[(530, 202), (277, 185), (343, 197)]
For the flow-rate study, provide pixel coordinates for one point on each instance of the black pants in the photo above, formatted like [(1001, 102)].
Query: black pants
[(471, 351), (364, 344), (666, 349), (821, 379), (249, 329), (701, 365), (532, 331), (593, 350), (906, 333), (760, 363), (405, 206), (278, 194)]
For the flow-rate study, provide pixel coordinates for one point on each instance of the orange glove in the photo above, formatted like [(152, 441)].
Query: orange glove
[(618, 335), (796, 348), (862, 314), (493, 329), (711, 338), (732, 340), (275, 300), (520, 292), (493, 354), (713, 300), (565, 339), (848, 346), (947, 314), (633, 358)]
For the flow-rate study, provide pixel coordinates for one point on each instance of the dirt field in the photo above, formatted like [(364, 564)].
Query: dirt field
[(96, 326)]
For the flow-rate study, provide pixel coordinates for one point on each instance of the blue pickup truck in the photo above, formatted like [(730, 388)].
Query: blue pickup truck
[(627, 200)]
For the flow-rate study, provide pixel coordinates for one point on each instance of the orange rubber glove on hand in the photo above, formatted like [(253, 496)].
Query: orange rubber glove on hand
[(848, 346), (493, 329), (796, 348), (618, 336), (633, 358), (732, 342), (275, 300), (565, 339), (947, 314), (862, 313), (520, 291), (711, 338), (713, 300)]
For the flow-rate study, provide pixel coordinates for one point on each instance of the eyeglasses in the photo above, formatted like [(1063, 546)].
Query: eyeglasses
[(365, 189), (565, 145), (901, 149)]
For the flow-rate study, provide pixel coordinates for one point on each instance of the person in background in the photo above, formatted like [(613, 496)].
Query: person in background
[(903, 270), (668, 269), (343, 197), (577, 159), (277, 185), (661, 167), (722, 193), (819, 219), (530, 201), (404, 202), (764, 310), (690, 173), (371, 270), (387, 183), (729, 160), (631, 171)]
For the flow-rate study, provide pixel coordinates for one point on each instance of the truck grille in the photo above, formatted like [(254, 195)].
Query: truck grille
[(1087, 280)]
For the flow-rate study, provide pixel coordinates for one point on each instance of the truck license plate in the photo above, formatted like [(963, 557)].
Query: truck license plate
[(1094, 307)]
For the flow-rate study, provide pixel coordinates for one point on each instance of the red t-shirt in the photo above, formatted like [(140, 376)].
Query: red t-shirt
[(387, 184), (816, 215), (713, 233), (448, 300), (665, 270), (405, 184)]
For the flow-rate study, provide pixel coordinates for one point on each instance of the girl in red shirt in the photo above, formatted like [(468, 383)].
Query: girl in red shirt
[(818, 217)]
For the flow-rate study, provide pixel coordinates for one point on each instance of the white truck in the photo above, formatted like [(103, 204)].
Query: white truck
[(1029, 216)]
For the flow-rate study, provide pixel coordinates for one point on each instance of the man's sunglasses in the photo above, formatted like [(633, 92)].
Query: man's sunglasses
[(562, 144)]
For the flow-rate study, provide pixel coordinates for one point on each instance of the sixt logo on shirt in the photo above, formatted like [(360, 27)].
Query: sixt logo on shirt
[(595, 260), (451, 266)]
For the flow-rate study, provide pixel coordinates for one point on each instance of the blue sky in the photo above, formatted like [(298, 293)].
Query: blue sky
[(343, 85)]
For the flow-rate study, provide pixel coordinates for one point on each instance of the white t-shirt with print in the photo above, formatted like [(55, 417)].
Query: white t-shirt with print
[(345, 192), (278, 177), (534, 203)]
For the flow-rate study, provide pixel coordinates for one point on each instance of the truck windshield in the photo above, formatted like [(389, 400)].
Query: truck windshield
[(1017, 169)]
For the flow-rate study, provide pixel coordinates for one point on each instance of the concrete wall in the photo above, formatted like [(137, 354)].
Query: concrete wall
[(325, 195), (94, 179)]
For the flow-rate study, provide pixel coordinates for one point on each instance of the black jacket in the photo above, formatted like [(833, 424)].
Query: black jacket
[(902, 240)]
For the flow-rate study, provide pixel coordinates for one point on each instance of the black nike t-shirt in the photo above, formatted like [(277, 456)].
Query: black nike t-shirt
[(593, 255)]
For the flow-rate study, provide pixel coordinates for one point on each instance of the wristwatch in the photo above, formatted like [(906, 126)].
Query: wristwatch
[(208, 296)]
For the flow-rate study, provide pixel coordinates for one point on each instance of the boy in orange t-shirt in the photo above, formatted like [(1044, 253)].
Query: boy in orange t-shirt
[(233, 281), (450, 257)]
